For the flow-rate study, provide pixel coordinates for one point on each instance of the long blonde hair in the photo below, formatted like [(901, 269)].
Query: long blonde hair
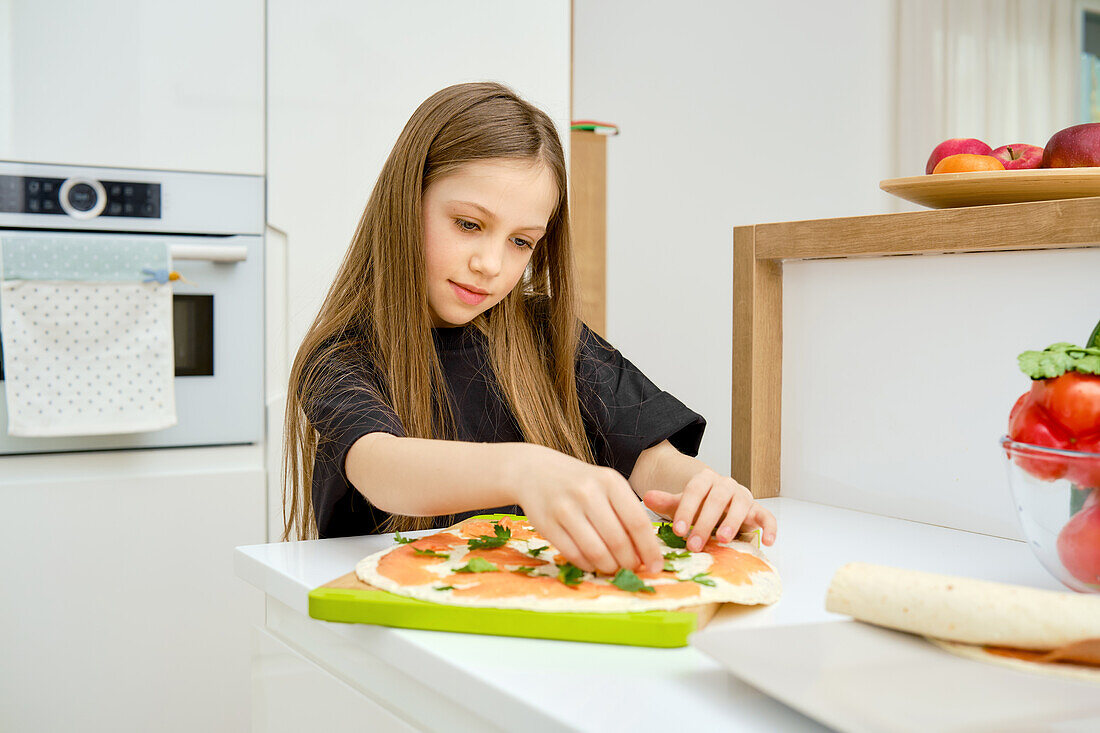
[(376, 314)]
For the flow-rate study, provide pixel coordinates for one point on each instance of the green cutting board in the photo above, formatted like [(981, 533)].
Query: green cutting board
[(349, 600)]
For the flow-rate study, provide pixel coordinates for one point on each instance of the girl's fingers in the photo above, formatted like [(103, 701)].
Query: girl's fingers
[(592, 546), (740, 509), (661, 502), (638, 528), (614, 537), (558, 536), (690, 500), (761, 517), (734, 519), (717, 503)]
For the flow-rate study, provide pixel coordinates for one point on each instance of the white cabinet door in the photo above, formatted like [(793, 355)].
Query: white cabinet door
[(133, 83), (120, 607), (291, 694), (344, 77)]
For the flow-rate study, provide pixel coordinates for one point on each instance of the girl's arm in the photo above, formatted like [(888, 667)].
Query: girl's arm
[(588, 512), (423, 478), (696, 497)]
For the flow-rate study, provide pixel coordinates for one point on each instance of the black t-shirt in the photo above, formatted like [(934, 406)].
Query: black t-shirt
[(623, 413)]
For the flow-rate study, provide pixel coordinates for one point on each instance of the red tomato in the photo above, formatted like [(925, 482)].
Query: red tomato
[(1073, 400), (1064, 413), (1079, 543), (1085, 472), (1028, 424)]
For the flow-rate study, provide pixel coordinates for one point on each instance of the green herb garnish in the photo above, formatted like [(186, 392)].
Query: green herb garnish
[(674, 555), (669, 537), (1057, 359), (570, 574), (477, 565), (701, 579), (524, 570), (629, 581), (484, 542), (401, 540), (534, 551), (444, 587), (430, 553)]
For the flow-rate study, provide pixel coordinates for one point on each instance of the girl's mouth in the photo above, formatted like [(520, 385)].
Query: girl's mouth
[(466, 296)]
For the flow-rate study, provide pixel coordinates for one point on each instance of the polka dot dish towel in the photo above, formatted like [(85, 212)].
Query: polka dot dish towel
[(87, 344)]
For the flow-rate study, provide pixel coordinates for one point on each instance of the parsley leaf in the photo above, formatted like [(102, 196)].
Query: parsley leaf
[(484, 542), (477, 565), (443, 587), (570, 574), (430, 553), (701, 579), (629, 581), (669, 567), (401, 540), (534, 551), (1057, 359), (669, 537), (677, 555), (524, 570)]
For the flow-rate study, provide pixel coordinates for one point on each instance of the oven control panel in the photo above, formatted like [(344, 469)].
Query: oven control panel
[(79, 198)]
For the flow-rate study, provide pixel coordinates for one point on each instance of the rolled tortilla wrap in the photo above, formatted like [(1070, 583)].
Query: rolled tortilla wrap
[(963, 609)]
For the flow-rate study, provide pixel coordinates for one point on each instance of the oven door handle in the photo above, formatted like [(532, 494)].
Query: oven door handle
[(210, 252)]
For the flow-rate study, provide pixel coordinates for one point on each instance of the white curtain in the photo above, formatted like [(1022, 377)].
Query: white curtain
[(1003, 71)]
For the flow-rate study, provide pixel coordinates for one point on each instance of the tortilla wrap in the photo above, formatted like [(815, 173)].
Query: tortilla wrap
[(963, 609), (981, 654)]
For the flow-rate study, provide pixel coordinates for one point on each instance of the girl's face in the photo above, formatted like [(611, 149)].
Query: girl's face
[(481, 225)]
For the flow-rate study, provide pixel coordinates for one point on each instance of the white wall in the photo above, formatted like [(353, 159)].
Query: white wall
[(731, 113), (899, 373)]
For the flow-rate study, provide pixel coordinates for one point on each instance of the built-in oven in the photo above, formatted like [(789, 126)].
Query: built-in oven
[(213, 225)]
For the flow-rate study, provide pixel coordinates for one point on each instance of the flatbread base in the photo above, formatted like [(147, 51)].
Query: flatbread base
[(981, 654), (758, 584)]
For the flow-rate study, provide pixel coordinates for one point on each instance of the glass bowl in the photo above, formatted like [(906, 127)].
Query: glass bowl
[(1060, 518)]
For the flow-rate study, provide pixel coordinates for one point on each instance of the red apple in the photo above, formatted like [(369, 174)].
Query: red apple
[(956, 146), (1074, 147), (1019, 156)]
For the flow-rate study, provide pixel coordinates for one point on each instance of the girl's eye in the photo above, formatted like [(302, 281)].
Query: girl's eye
[(473, 227)]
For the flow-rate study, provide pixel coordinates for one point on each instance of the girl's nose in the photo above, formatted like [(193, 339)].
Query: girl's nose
[(487, 259)]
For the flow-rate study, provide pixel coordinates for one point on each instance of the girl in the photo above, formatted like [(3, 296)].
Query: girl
[(448, 373)]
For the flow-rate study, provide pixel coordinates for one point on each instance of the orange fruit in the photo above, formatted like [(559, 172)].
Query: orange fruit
[(967, 162)]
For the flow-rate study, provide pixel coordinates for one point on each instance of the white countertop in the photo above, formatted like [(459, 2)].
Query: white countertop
[(556, 685)]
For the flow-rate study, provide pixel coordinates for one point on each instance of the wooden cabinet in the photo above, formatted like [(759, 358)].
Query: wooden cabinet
[(588, 205), (1050, 295)]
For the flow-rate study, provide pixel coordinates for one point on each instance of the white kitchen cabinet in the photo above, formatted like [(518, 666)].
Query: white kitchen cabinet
[(120, 611), (291, 694), (133, 84)]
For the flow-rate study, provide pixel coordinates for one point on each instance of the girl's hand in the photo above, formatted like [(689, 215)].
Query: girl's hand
[(711, 500), (589, 513)]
